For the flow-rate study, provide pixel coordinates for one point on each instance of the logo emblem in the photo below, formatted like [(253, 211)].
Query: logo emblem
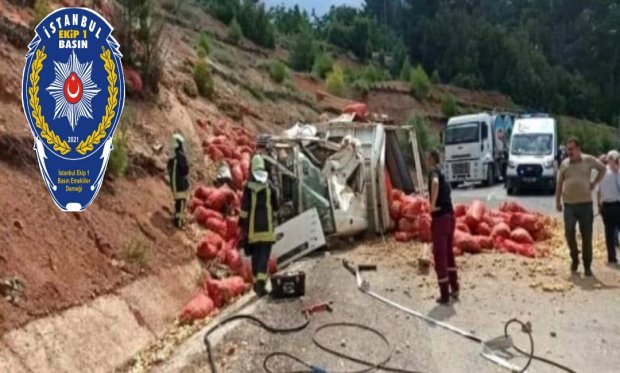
[(73, 91)]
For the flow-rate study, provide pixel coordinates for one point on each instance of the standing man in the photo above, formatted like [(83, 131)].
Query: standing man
[(574, 189), (609, 204), (178, 171), (258, 205), (442, 229)]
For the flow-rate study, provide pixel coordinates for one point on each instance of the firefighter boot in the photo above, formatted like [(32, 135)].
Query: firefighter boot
[(444, 292)]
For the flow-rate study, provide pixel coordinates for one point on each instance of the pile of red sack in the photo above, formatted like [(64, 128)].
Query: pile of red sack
[(217, 209), (234, 145), (511, 229)]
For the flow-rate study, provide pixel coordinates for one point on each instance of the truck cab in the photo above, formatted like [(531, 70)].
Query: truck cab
[(532, 157), (475, 149)]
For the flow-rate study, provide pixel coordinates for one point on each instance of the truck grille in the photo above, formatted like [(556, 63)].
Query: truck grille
[(460, 168), (529, 170)]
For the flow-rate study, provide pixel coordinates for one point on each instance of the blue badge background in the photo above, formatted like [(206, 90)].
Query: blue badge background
[(92, 161)]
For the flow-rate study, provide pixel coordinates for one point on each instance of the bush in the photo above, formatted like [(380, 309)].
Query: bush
[(449, 108), (435, 78), (203, 79), (41, 10), (405, 71), (234, 31), (335, 82), (203, 46), (303, 54), (426, 140), (278, 71), (139, 28), (119, 157), (323, 64), (373, 74), (420, 84), (136, 253), (361, 86)]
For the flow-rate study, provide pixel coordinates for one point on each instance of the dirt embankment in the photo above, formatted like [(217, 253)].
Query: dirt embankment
[(64, 260)]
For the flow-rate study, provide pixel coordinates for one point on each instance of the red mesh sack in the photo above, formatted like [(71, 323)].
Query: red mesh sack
[(500, 230), (522, 236), (483, 229), (220, 198), (216, 225), (233, 260), (202, 214), (461, 226), (199, 307), (395, 209), (407, 225), (412, 207), (474, 214), (237, 175), (424, 228), (404, 236), (466, 243), (397, 195), (460, 210), (273, 266), (215, 153), (245, 271), (511, 206), (509, 246), (457, 251), (232, 227), (206, 250), (527, 250), (529, 222), (485, 242), (194, 203), (203, 192)]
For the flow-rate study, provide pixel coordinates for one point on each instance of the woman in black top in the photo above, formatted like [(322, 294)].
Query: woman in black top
[(442, 228)]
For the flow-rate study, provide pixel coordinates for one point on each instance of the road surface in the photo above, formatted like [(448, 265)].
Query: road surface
[(575, 319)]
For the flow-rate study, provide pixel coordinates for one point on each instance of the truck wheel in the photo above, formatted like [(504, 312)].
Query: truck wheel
[(490, 176), (510, 191)]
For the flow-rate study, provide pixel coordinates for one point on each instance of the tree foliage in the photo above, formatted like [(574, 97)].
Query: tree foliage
[(335, 82), (419, 82)]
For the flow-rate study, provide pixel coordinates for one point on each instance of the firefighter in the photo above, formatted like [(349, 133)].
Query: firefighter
[(258, 206), (178, 171)]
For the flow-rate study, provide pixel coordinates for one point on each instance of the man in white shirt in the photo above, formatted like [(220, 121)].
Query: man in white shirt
[(609, 204)]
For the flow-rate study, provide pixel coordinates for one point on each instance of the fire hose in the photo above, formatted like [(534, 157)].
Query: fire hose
[(489, 347)]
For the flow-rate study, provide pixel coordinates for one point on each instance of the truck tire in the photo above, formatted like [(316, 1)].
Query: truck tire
[(490, 181)]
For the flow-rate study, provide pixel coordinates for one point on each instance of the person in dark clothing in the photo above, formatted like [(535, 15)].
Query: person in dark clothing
[(442, 230), (178, 171), (258, 206)]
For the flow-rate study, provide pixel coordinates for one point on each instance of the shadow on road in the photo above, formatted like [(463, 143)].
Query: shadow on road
[(442, 313), (591, 283)]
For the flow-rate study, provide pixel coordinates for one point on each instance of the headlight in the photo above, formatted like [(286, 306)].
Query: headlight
[(511, 164), (549, 163)]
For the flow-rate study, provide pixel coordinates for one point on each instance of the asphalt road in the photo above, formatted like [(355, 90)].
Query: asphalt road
[(495, 195)]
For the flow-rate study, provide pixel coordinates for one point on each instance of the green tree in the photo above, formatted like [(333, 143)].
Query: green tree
[(323, 64), (278, 71), (449, 108), (405, 71), (419, 82), (335, 81), (303, 54), (203, 79), (234, 31)]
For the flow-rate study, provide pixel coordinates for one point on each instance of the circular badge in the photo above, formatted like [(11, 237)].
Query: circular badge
[(73, 95)]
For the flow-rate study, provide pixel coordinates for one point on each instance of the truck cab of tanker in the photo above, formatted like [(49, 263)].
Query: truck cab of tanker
[(474, 148), (533, 152)]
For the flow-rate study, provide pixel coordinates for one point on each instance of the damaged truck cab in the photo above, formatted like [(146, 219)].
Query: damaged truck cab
[(341, 168)]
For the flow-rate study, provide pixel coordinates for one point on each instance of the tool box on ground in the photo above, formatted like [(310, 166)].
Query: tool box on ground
[(288, 285)]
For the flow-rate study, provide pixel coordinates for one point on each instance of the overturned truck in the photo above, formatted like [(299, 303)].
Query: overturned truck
[(344, 170)]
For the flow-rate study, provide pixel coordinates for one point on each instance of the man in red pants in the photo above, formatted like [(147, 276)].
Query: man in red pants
[(442, 228)]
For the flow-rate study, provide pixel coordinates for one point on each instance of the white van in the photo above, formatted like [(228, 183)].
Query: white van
[(532, 157)]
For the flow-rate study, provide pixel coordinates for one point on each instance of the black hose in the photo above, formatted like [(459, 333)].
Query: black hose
[(254, 319), (371, 366), (527, 329)]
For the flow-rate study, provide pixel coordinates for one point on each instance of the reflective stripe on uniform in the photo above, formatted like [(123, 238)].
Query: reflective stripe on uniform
[(253, 236), (181, 195), (261, 276), (442, 280), (173, 178), (243, 214), (452, 269)]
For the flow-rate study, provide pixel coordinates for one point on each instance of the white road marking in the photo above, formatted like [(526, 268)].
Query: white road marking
[(492, 195)]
